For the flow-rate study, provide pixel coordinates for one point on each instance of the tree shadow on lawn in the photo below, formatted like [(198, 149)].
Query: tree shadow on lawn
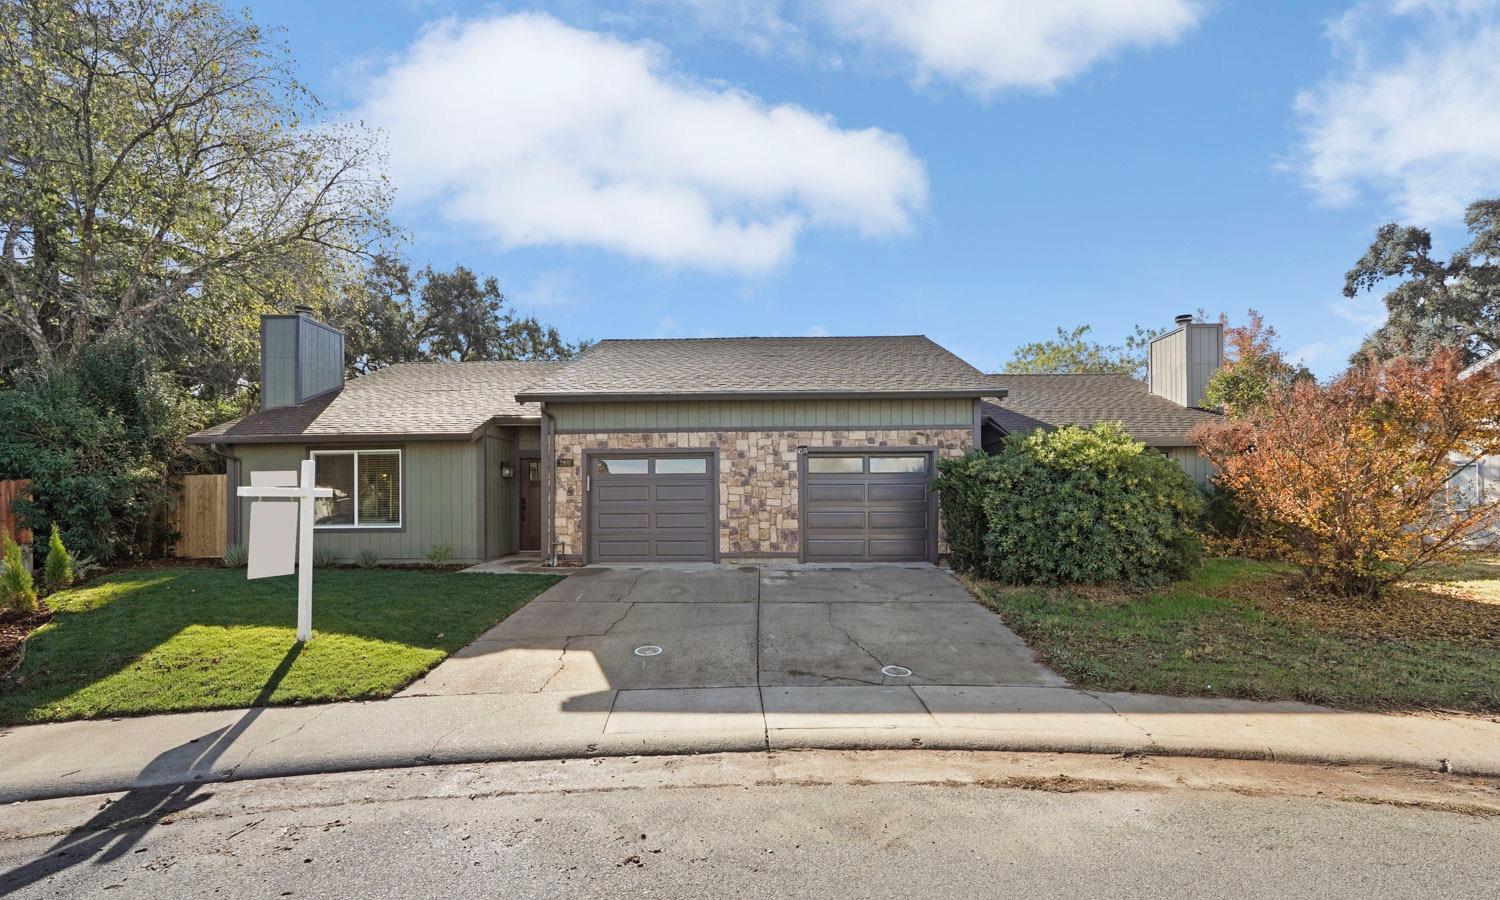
[(120, 826), (179, 639)]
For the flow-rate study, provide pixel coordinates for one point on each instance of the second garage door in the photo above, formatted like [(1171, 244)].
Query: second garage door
[(651, 508), (866, 507)]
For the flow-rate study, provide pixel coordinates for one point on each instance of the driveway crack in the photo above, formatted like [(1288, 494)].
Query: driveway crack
[(561, 664), (625, 597), (850, 638)]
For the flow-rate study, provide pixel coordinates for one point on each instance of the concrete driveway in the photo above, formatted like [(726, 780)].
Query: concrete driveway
[(777, 638)]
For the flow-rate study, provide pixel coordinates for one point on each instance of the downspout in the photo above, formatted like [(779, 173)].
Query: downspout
[(232, 465), (549, 465)]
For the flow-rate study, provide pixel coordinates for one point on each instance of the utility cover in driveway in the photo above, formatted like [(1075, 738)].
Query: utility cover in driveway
[(645, 508), (871, 507)]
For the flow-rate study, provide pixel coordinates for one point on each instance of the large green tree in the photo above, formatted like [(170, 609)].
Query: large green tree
[(1073, 353), (1437, 304), (160, 180), (392, 315)]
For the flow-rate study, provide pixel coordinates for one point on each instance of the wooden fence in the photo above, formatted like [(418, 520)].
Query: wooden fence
[(199, 517), (9, 492)]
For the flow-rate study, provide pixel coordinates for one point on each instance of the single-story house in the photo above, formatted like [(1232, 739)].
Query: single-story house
[(816, 448), (1478, 479)]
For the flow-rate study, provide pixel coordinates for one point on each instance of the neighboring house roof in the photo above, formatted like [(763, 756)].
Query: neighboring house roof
[(904, 365), (411, 400), (1491, 361), (1049, 401)]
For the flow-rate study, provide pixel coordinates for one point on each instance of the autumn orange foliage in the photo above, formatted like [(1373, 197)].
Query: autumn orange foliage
[(1349, 480)]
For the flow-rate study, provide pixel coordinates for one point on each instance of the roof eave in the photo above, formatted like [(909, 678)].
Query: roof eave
[(204, 438), (638, 397)]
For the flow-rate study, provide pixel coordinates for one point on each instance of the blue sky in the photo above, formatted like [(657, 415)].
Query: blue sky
[(981, 171)]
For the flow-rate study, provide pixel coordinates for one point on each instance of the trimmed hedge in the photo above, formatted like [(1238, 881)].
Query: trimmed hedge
[(1071, 505)]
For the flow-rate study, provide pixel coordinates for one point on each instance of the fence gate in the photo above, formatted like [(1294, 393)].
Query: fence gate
[(10, 491), (199, 517)]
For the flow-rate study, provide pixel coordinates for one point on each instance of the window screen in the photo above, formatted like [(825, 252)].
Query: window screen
[(336, 471), (379, 487)]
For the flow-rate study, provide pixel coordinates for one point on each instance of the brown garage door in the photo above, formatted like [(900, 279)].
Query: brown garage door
[(870, 507), (651, 508)]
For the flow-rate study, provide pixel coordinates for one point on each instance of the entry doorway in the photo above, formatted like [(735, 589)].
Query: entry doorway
[(531, 503)]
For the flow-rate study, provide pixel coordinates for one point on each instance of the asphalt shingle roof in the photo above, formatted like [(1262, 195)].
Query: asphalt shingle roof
[(1490, 361), (431, 398), (902, 364), (1043, 401)]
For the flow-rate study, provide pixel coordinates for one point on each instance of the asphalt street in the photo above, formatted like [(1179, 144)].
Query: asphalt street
[(809, 824)]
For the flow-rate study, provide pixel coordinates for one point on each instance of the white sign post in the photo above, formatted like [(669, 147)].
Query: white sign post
[(271, 526)]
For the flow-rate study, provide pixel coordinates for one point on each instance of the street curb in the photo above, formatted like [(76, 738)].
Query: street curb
[(701, 743)]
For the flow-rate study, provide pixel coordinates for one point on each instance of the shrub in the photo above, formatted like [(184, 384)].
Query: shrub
[(236, 556), (1350, 480), (961, 485), (367, 559), (16, 589), (440, 554), (1225, 524), (58, 569), (101, 443), (1072, 505), (323, 557)]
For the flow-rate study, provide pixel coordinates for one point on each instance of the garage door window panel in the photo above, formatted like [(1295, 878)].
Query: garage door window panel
[(835, 465)]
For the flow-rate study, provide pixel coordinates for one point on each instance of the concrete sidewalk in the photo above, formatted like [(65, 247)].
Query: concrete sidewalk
[(76, 758)]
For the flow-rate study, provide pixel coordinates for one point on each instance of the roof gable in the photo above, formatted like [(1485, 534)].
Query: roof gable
[(428, 399), (1050, 401)]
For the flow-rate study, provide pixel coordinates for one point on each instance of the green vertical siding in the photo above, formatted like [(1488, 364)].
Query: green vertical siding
[(441, 495), (321, 354), (278, 341), (1191, 462), (759, 415)]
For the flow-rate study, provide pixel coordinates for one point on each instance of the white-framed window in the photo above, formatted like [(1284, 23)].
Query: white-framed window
[(366, 488), (1466, 486)]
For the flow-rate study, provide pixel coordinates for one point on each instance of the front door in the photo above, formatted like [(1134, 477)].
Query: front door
[(531, 504)]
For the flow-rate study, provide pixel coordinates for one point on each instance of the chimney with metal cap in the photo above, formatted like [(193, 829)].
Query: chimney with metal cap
[(300, 358), (1183, 359)]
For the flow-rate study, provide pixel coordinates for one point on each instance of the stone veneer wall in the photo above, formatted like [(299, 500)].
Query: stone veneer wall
[(757, 477)]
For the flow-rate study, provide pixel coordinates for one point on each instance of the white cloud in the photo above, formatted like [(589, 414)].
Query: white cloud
[(1412, 110), (993, 45), (985, 46), (536, 133), (549, 290), (816, 331)]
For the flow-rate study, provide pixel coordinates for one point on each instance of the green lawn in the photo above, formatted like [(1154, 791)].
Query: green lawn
[(1241, 629), (175, 639)]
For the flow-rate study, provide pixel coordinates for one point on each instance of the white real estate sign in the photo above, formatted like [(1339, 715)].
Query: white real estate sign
[(273, 528), (278, 527)]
